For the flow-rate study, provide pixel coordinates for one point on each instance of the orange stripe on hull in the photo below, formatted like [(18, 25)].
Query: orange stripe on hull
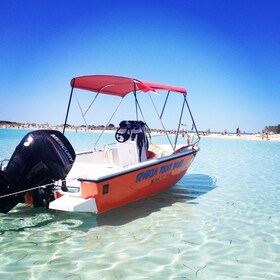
[(137, 184)]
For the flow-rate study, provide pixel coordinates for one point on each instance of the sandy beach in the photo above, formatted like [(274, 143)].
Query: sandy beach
[(257, 136), (232, 136)]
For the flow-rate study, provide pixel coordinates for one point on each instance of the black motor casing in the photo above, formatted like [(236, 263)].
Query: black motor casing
[(42, 156)]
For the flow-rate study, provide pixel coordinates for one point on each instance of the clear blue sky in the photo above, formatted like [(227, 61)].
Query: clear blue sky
[(226, 53)]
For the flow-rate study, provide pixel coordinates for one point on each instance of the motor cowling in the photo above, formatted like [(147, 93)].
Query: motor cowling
[(42, 157)]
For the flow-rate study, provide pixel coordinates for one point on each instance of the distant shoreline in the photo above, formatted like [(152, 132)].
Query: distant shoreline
[(53, 127), (242, 136), (256, 136)]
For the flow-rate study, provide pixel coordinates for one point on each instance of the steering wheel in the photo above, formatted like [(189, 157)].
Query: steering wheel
[(122, 136)]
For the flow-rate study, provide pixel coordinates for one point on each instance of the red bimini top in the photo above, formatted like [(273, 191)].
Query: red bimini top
[(119, 86)]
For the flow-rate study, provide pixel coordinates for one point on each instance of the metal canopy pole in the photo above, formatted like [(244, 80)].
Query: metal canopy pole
[(68, 108), (155, 108), (105, 127), (136, 101), (192, 118), (177, 133), (164, 104)]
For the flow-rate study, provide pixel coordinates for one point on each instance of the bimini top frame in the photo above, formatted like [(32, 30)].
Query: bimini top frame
[(121, 86)]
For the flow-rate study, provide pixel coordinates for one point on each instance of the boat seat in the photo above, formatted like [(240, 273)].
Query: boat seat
[(111, 153), (150, 154), (128, 153)]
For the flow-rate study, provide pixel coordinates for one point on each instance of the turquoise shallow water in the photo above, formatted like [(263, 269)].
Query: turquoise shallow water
[(221, 221)]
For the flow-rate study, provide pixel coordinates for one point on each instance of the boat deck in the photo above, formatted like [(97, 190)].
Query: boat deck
[(96, 165)]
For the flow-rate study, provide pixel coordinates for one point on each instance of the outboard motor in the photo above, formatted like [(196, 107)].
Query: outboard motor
[(42, 157)]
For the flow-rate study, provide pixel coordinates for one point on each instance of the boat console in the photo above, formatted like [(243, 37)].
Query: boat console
[(132, 142)]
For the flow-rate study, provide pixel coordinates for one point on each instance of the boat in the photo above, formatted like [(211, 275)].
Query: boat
[(44, 171)]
